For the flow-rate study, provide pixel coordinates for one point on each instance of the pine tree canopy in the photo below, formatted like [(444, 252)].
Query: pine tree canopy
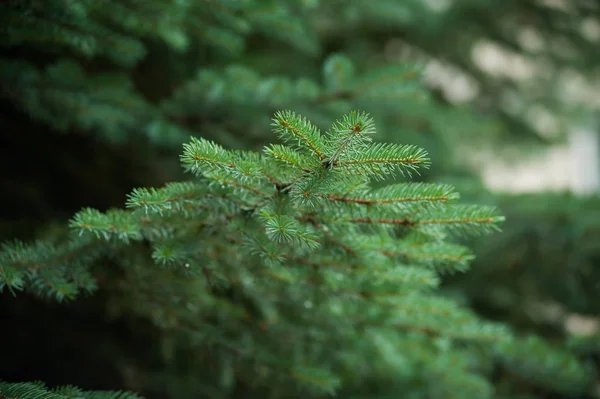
[(294, 268)]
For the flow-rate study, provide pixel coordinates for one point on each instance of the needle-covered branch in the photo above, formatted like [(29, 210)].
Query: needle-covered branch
[(288, 254), (37, 390)]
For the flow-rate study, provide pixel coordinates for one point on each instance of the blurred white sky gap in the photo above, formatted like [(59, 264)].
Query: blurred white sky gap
[(574, 166)]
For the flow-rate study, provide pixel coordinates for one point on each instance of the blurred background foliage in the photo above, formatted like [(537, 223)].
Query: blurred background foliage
[(97, 98)]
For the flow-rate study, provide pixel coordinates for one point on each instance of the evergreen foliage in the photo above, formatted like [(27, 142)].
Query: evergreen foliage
[(37, 390), (198, 89), (553, 241), (306, 268), (540, 275), (298, 271)]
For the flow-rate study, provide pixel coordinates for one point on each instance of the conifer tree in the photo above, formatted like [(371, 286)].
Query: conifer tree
[(294, 272), (550, 246), (301, 268)]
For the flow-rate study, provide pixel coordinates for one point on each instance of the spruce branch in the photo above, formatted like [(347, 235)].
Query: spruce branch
[(351, 134), (37, 390), (283, 228), (285, 244), (399, 194), (201, 155), (462, 219), (173, 197), (286, 267), (49, 270), (290, 157), (382, 159), (295, 129), (113, 224)]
